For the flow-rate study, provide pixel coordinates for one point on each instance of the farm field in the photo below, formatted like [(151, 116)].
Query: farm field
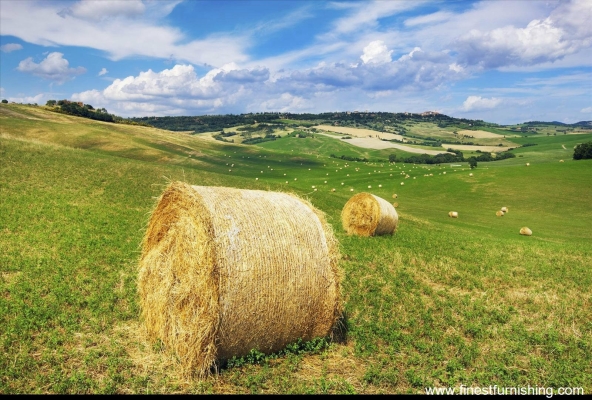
[(359, 132), (377, 144), (442, 302)]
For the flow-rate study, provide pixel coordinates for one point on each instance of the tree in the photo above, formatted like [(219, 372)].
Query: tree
[(583, 151), (51, 103), (4, 101), (472, 162)]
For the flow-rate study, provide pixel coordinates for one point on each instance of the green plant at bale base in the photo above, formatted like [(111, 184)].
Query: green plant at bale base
[(299, 347)]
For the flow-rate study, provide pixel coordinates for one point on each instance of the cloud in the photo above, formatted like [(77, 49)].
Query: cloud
[(27, 99), (44, 23), (285, 102), (103, 71), (376, 52), (366, 14), (587, 110), (563, 33), (478, 103), (98, 10), (54, 67), (8, 47), (176, 89), (433, 18)]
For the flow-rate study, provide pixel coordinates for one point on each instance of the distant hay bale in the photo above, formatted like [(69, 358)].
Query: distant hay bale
[(505, 209), (499, 213), (368, 215), (395, 196), (471, 174), (527, 164), (560, 160), (224, 271), (395, 205), (525, 231), (402, 183), (453, 214)]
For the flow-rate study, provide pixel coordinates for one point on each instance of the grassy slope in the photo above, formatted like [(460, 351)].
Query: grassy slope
[(442, 302)]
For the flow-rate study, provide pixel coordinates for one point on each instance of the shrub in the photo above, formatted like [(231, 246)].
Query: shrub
[(583, 151)]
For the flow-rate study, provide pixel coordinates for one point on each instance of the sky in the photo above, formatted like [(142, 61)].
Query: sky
[(501, 61)]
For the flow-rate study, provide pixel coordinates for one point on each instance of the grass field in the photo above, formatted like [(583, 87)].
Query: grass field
[(442, 302)]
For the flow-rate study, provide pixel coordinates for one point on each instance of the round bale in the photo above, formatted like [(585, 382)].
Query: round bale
[(224, 271), (525, 231), (505, 209), (499, 213), (368, 215), (453, 214)]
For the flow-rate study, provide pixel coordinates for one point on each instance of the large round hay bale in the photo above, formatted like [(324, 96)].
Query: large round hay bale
[(504, 209), (453, 214), (224, 271), (525, 231), (368, 215), (499, 213)]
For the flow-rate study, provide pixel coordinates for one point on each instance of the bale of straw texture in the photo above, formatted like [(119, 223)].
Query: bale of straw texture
[(525, 231), (505, 209), (499, 213), (224, 271), (368, 215), (453, 214)]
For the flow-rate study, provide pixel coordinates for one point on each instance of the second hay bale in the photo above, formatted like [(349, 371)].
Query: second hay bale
[(368, 215)]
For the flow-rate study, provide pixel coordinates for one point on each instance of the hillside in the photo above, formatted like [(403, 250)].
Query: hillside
[(442, 302)]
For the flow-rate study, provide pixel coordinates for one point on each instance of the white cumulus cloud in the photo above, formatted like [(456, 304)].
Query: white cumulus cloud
[(376, 52), (8, 47), (103, 71), (54, 67), (97, 10), (474, 103), (566, 31)]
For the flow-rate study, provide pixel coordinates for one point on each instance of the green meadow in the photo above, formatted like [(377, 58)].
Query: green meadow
[(443, 302)]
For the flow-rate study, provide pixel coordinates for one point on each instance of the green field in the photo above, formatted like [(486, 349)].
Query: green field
[(442, 302)]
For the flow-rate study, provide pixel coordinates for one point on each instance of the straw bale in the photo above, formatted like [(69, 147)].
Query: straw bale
[(499, 213), (525, 231), (505, 209), (395, 196), (368, 215), (224, 271), (453, 214)]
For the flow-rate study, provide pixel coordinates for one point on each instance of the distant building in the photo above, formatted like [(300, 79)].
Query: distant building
[(428, 113)]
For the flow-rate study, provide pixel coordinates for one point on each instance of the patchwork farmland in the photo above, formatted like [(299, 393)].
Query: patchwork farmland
[(440, 302)]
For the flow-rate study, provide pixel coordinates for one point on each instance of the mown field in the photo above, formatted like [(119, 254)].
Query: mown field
[(442, 302)]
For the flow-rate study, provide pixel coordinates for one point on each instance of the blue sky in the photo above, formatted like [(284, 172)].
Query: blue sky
[(502, 61)]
